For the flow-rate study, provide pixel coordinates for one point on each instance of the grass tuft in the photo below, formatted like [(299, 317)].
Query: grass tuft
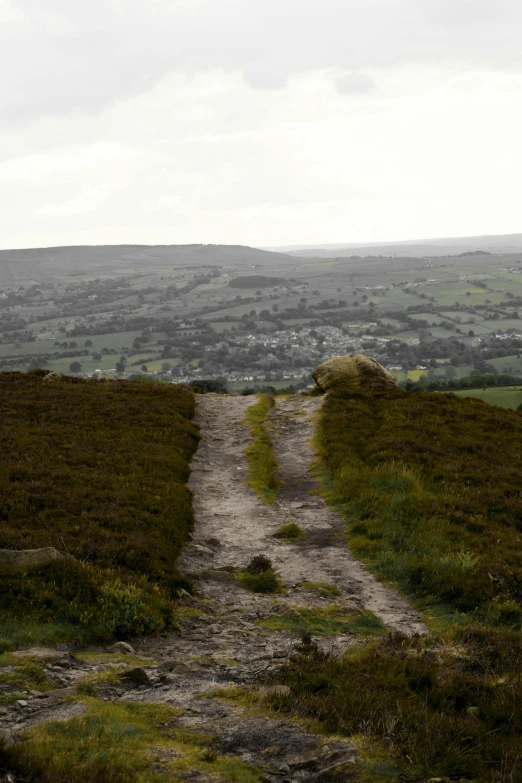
[(291, 532), (260, 576)]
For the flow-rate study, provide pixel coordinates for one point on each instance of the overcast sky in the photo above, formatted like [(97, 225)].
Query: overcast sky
[(262, 122)]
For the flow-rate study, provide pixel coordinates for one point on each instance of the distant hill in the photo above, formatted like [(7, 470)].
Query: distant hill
[(505, 243), (40, 264)]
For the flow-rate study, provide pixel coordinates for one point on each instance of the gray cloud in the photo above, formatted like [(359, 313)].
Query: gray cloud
[(354, 83), (63, 56)]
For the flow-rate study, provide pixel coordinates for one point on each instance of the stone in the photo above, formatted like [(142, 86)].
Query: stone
[(213, 542), (6, 739), (472, 712), (122, 647), (21, 703), (41, 653), (204, 549), (52, 697), (279, 654), (52, 376), (137, 675), (25, 558), (353, 372)]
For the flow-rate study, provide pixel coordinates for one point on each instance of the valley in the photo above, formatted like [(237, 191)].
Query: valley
[(253, 318)]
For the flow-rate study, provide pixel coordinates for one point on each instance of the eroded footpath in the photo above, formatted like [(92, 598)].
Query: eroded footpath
[(229, 636)]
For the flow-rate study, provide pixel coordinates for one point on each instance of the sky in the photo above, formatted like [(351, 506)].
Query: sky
[(259, 122)]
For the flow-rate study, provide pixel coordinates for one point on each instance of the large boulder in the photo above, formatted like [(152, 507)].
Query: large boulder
[(25, 558), (353, 371)]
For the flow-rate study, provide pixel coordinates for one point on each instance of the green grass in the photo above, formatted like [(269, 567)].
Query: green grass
[(326, 621), (291, 532), (429, 485), (507, 397), (121, 743), (98, 470), (260, 577), (262, 464)]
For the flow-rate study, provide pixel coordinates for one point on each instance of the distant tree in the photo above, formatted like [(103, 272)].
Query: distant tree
[(471, 333), (120, 366), (88, 344), (144, 368), (75, 367)]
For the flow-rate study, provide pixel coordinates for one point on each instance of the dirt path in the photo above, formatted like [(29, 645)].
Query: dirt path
[(220, 641)]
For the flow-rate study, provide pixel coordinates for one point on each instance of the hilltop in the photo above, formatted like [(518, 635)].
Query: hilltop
[(285, 611)]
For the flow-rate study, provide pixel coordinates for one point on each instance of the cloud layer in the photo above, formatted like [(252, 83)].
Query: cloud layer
[(262, 122)]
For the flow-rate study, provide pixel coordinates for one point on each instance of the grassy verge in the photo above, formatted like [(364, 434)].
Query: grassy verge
[(429, 485), (98, 470), (262, 472), (121, 743)]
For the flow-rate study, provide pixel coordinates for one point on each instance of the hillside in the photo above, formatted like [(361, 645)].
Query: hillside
[(52, 263), (98, 471), (355, 607)]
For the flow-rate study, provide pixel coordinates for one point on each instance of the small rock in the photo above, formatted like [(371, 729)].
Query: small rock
[(279, 654), (213, 542), (137, 675), (472, 712), (21, 703), (123, 647), (35, 693), (6, 739), (284, 768), (214, 628), (204, 549)]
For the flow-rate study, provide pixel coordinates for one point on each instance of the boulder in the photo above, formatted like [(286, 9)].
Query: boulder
[(353, 371), (138, 676), (52, 376), (23, 558)]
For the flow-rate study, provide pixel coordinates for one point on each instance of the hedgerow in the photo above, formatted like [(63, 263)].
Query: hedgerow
[(97, 470)]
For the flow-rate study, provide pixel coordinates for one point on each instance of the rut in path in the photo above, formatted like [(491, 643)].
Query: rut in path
[(220, 640)]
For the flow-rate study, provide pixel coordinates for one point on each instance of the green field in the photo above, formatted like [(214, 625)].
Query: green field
[(506, 396)]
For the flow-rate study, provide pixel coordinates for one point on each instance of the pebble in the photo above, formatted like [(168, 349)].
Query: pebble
[(21, 703)]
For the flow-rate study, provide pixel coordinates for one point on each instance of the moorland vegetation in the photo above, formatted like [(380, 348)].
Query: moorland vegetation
[(429, 485), (97, 470)]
